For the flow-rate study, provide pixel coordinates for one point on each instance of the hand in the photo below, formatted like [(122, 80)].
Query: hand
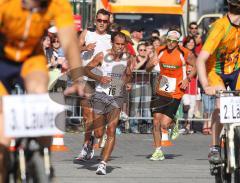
[(154, 60), (105, 79), (184, 84), (90, 46), (77, 87), (209, 90), (128, 86)]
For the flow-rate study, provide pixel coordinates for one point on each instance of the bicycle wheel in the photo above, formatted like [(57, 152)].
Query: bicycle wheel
[(36, 169), (222, 176), (237, 154)]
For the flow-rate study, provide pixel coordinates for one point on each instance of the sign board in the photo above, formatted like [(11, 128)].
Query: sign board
[(230, 109), (30, 115)]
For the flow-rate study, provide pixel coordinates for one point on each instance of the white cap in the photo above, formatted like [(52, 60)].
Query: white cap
[(52, 30), (173, 35)]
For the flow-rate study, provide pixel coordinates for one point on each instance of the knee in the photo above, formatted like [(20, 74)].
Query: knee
[(111, 132), (36, 83), (98, 133), (164, 126)]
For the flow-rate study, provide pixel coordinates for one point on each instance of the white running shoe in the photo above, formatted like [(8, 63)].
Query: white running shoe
[(101, 170)]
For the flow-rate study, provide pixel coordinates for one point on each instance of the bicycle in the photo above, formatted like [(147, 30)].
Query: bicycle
[(229, 167), (30, 162)]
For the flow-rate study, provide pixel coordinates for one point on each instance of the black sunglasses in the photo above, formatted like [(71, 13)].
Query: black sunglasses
[(102, 21)]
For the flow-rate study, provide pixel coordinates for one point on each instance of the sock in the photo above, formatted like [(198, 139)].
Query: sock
[(103, 162), (158, 148)]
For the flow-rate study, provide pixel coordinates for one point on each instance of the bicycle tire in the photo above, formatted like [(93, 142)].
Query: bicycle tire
[(222, 176), (237, 154), (36, 169)]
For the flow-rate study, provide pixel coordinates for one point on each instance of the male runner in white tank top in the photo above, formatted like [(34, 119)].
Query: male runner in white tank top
[(116, 72), (92, 43)]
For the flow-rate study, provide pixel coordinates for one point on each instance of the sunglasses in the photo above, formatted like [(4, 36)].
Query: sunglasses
[(172, 41), (56, 41), (102, 21), (142, 50)]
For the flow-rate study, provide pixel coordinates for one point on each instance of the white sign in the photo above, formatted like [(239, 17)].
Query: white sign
[(30, 115), (230, 109), (168, 84)]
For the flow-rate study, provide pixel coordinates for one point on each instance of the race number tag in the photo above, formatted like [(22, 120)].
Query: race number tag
[(230, 109), (30, 115), (167, 84)]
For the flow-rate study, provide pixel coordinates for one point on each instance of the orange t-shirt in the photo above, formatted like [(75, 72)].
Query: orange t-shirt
[(22, 29), (172, 71)]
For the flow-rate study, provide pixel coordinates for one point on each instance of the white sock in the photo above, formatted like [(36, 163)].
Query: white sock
[(159, 148), (103, 162)]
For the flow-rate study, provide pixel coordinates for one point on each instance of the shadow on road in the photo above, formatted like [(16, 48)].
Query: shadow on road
[(167, 156), (92, 164)]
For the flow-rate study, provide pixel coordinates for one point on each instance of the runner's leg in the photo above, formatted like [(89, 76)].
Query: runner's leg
[(113, 118)]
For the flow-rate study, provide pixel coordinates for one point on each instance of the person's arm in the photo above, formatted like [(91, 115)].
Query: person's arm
[(140, 64), (191, 60), (83, 46), (68, 39), (96, 61), (152, 63), (202, 73)]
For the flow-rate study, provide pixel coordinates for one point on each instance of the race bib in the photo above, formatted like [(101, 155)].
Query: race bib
[(167, 84), (112, 90)]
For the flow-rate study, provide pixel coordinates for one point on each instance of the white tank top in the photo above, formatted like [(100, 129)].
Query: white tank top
[(103, 43), (115, 70)]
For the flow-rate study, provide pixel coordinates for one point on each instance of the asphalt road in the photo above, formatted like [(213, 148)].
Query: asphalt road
[(186, 161)]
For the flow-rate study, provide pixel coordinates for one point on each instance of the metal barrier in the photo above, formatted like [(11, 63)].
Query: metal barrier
[(138, 100)]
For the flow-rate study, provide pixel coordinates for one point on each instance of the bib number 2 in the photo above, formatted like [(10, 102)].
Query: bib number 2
[(167, 84)]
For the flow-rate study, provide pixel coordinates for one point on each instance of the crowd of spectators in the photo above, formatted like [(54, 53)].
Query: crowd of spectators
[(195, 104)]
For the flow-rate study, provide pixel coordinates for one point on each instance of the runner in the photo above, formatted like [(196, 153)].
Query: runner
[(172, 59), (92, 43), (107, 101), (218, 65), (22, 25)]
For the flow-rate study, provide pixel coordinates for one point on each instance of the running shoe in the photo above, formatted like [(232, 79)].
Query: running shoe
[(174, 133), (83, 154), (214, 156), (90, 149), (157, 155), (123, 116), (101, 170)]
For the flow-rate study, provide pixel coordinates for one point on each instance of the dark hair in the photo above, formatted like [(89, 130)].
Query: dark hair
[(156, 32), (149, 42), (234, 9), (187, 40), (154, 38), (192, 23), (119, 34), (44, 3), (104, 12)]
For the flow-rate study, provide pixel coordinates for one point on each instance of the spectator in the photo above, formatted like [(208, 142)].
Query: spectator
[(47, 48), (189, 98), (136, 36), (155, 33), (156, 42), (208, 107), (192, 29), (141, 91)]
